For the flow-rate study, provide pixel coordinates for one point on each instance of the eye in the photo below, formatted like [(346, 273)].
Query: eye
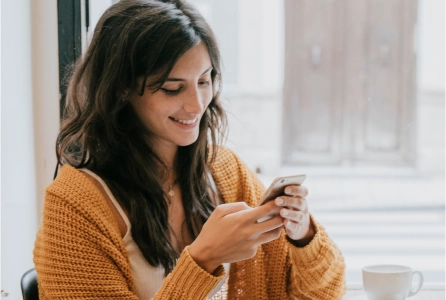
[(171, 92), (204, 82)]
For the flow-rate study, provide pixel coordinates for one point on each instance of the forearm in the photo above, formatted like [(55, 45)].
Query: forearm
[(189, 281), (317, 270)]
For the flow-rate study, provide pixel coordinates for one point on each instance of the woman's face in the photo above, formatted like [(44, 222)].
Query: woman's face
[(173, 113)]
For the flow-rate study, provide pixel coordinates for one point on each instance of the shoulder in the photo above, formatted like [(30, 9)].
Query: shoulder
[(77, 189), (225, 157), (234, 179), (226, 163), (71, 182), (77, 195)]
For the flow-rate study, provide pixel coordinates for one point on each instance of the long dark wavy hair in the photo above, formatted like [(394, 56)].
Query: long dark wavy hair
[(100, 130)]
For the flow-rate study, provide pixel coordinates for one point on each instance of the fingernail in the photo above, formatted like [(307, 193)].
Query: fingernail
[(279, 201), (284, 213), (288, 190)]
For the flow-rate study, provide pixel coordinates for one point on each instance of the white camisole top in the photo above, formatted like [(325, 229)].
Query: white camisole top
[(147, 278)]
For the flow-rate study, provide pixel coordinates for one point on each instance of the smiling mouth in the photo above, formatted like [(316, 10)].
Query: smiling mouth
[(185, 122)]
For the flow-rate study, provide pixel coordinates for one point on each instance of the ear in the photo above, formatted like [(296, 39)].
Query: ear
[(125, 95)]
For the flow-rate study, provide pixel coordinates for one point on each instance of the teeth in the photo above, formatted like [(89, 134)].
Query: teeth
[(186, 122)]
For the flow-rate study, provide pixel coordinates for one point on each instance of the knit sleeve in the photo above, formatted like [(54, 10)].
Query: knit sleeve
[(78, 255), (188, 281), (316, 271), (235, 180)]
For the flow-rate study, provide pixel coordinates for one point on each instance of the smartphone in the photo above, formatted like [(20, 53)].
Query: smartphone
[(278, 185)]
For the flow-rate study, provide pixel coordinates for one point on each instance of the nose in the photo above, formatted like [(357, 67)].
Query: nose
[(193, 102)]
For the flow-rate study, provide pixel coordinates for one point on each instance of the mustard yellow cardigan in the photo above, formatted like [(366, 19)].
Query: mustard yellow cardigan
[(79, 252)]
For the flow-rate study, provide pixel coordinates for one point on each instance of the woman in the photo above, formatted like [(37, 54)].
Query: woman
[(146, 205)]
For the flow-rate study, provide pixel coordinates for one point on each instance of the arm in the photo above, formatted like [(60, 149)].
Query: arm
[(317, 265), (316, 271), (188, 280), (80, 256)]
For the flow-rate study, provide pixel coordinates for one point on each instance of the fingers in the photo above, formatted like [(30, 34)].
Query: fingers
[(270, 235), (267, 210), (293, 215), (294, 208), (229, 208), (297, 231), (296, 191), (268, 225), (292, 203), (292, 228)]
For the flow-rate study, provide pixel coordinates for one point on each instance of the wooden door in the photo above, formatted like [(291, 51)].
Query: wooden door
[(349, 89), (313, 81)]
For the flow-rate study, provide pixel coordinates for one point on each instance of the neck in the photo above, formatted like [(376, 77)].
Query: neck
[(167, 152), (169, 158)]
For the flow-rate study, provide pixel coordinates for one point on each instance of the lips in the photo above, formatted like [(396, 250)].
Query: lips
[(185, 122)]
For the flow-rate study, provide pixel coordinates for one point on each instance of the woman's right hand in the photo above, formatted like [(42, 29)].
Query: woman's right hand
[(232, 234)]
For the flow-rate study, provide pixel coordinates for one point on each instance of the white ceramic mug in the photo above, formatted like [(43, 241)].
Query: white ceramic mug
[(389, 282)]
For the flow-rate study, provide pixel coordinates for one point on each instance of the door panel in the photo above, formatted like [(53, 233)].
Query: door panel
[(383, 65), (387, 100), (349, 89), (313, 80)]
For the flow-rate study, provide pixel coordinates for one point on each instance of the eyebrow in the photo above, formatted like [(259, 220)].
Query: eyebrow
[(180, 79)]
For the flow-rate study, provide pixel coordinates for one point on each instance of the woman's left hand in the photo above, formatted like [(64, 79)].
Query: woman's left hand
[(296, 216)]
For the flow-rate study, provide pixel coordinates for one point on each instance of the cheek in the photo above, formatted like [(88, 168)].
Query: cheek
[(208, 98), (145, 111)]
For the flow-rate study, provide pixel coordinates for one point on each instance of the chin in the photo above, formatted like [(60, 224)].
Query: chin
[(187, 141)]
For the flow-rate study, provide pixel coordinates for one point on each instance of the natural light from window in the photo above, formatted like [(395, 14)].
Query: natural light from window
[(352, 94)]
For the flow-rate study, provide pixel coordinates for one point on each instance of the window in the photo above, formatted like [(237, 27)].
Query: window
[(352, 94)]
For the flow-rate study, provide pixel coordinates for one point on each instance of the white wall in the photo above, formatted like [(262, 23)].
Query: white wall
[(45, 73), (431, 87), (30, 123), (255, 111), (431, 45), (19, 204), (261, 46)]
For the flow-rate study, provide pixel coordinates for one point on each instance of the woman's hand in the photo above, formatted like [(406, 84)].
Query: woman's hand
[(295, 213), (232, 234)]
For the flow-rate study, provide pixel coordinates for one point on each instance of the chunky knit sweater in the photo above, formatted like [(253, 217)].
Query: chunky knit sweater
[(79, 252)]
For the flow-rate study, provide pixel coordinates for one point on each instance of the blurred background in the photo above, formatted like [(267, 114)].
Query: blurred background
[(349, 92)]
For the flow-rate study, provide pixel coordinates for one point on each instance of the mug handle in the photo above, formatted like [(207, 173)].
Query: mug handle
[(420, 283)]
